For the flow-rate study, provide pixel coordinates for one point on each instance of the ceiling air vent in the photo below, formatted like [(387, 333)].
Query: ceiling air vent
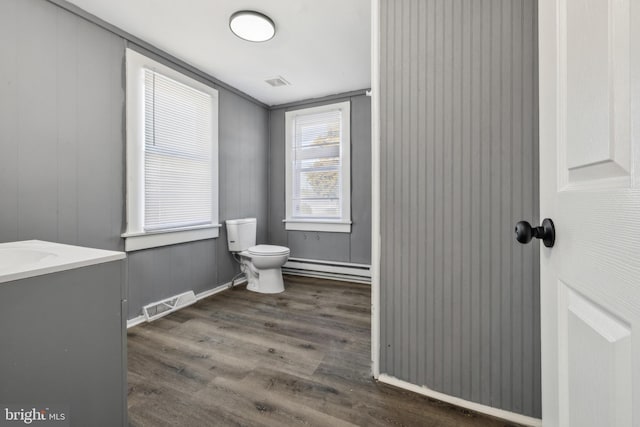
[(278, 81)]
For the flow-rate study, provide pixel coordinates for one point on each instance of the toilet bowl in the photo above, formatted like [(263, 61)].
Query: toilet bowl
[(261, 263), (263, 268)]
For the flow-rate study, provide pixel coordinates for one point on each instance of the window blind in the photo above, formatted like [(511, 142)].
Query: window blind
[(317, 165), (178, 154)]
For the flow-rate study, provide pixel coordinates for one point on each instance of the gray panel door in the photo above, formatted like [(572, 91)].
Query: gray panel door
[(459, 297)]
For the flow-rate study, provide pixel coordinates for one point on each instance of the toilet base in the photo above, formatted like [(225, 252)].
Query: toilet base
[(269, 281)]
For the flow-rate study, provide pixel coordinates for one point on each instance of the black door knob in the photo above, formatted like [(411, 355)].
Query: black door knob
[(547, 232)]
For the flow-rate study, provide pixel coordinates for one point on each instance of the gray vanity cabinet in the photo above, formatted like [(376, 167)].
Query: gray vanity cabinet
[(63, 344)]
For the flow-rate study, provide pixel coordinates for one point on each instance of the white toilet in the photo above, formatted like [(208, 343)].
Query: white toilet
[(260, 263)]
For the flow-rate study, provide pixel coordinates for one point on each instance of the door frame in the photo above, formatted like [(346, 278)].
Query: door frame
[(375, 188)]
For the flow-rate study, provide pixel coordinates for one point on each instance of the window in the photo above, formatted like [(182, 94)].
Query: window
[(172, 156), (318, 191)]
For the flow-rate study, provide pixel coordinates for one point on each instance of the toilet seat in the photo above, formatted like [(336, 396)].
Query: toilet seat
[(268, 250)]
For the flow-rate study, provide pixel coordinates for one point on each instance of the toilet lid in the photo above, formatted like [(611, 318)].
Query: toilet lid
[(268, 250)]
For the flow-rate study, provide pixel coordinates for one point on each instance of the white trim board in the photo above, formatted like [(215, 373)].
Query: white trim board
[(375, 188), (138, 241), (136, 321), (325, 226), (473, 406), (202, 295)]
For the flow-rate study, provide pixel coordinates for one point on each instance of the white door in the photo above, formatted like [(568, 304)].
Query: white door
[(590, 187)]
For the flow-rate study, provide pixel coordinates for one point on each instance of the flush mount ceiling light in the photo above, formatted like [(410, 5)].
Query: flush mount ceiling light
[(252, 26)]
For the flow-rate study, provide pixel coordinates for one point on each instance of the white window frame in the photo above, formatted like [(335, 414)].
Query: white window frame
[(136, 237), (342, 225)]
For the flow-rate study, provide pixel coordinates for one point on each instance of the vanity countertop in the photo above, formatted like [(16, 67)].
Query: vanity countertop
[(28, 258)]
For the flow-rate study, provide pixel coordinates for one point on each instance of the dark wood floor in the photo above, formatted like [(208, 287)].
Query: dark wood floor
[(297, 358)]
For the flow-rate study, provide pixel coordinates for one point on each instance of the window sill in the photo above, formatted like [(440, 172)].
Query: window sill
[(154, 239), (318, 225)]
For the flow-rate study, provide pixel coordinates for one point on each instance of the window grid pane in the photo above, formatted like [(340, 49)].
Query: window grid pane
[(178, 156), (317, 166)]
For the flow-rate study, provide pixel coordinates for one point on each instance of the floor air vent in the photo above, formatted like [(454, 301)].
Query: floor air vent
[(158, 309)]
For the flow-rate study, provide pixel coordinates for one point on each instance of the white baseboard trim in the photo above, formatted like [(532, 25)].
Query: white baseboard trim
[(205, 294), (136, 321), (343, 271), (477, 407), (218, 289)]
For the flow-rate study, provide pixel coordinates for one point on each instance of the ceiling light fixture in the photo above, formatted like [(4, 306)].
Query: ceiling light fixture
[(252, 26)]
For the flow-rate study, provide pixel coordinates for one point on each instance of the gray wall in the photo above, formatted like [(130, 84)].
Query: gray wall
[(459, 144), (61, 127), (62, 150), (352, 247)]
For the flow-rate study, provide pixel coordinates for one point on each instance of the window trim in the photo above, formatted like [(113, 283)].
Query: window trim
[(342, 225), (135, 236)]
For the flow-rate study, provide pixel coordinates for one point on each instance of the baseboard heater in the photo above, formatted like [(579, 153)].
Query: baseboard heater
[(347, 272)]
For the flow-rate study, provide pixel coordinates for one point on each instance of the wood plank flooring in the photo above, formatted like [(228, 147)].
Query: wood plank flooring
[(297, 358)]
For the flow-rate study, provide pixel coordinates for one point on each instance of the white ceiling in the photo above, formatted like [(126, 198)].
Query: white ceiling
[(322, 47)]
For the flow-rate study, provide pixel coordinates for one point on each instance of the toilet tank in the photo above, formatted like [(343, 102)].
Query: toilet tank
[(241, 233)]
